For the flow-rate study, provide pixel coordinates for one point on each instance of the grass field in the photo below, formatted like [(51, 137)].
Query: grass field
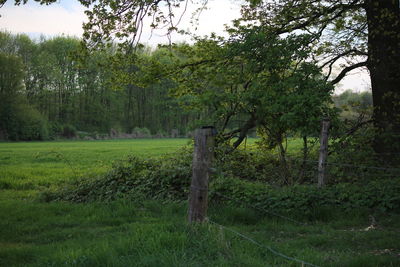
[(31, 166), (126, 233)]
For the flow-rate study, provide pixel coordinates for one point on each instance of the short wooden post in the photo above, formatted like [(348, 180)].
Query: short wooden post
[(323, 153), (202, 158)]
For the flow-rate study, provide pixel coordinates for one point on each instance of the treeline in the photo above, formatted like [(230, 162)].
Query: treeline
[(48, 90), (354, 104)]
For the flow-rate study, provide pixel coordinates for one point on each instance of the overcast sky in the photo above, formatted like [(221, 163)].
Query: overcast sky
[(66, 17)]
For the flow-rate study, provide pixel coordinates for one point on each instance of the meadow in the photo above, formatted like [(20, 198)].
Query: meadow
[(155, 233), (31, 166)]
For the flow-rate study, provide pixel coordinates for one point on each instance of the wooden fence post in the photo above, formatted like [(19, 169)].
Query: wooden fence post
[(203, 155), (323, 153)]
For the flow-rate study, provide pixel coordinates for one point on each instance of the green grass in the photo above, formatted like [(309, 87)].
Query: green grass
[(152, 233), (37, 165)]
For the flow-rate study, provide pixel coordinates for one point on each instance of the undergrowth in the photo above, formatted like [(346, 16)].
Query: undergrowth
[(168, 178)]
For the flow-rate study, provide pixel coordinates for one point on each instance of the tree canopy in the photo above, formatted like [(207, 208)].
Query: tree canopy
[(353, 33)]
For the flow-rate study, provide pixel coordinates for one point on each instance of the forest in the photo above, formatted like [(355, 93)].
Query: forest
[(48, 93), (59, 95), (106, 143)]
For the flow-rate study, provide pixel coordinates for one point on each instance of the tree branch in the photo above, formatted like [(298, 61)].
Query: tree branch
[(337, 57), (250, 124), (343, 73), (313, 18)]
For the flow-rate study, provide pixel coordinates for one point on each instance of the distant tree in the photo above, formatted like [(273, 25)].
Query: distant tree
[(18, 120), (11, 86), (94, 92)]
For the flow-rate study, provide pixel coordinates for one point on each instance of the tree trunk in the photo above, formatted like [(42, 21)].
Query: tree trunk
[(323, 153), (383, 18), (287, 177), (304, 161)]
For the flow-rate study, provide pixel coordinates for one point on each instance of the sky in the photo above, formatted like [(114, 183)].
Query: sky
[(65, 17)]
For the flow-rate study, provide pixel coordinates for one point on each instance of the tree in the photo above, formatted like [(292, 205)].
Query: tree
[(18, 120), (11, 85), (93, 93), (253, 81), (362, 32)]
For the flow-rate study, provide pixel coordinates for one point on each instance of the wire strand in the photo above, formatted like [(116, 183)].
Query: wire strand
[(273, 251), (261, 209)]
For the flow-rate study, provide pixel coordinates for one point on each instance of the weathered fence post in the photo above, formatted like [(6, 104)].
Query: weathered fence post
[(202, 158), (323, 153)]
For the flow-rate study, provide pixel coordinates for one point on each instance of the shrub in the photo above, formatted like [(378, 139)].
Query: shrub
[(304, 199), (141, 132), (82, 134), (55, 129), (353, 158), (69, 131), (27, 124), (168, 178), (33, 126), (252, 166)]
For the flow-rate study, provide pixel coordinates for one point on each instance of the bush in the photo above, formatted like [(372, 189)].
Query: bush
[(82, 134), (55, 130), (252, 166), (26, 124), (141, 132), (168, 178), (353, 158), (32, 125), (381, 195), (69, 131)]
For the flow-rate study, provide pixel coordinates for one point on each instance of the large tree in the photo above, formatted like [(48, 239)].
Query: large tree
[(349, 34)]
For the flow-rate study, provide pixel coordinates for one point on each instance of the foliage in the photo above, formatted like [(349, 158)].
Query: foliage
[(31, 125), (304, 199), (141, 132), (253, 80), (90, 91), (361, 33), (69, 131), (163, 178), (18, 119), (353, 158), (353, 105), (168, 178)]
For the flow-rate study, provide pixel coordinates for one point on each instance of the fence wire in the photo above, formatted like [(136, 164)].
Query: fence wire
[(306, 170), (260, 209), (349, 165), (273, 251)]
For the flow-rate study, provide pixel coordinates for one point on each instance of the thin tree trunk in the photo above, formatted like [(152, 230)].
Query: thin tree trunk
[(284, 166), (304, 161)]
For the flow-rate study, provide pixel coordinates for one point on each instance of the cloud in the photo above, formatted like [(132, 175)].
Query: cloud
[(66, 17), (55, 19)]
